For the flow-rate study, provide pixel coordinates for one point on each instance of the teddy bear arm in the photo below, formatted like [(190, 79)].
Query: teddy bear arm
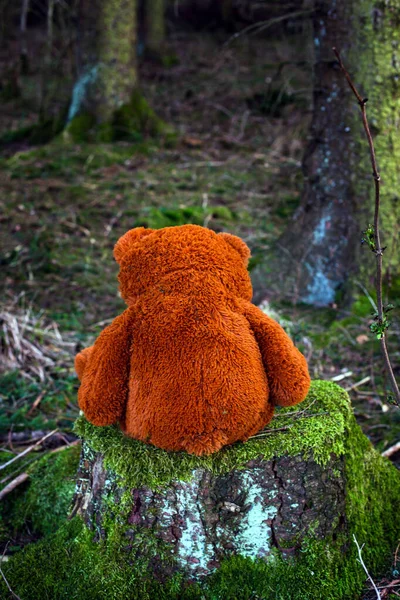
[(104, 386), (81, 360), (285, 366)]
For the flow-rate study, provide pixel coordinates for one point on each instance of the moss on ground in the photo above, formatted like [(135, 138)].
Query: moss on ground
[(77, 567), (133, 121), (75, 201), (56, 409), (40, 506), (46, 502)]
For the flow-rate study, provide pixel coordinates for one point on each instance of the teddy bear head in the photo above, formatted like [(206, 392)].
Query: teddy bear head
[(148, 257)]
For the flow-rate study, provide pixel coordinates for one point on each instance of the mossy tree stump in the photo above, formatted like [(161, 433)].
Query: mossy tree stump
[(273, 518), (264, 505)]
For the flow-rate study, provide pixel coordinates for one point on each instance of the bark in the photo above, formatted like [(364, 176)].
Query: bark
[(374, 58), (106, 59), (24, 61), (155, 27), (319, 250), (266, 505)]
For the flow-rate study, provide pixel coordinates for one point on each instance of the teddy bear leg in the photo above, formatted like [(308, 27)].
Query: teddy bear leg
[(207, 443)]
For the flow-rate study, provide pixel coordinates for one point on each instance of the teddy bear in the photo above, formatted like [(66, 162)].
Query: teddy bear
[(191, 365)]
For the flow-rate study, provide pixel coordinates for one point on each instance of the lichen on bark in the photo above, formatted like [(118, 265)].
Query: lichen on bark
[(319, 252)]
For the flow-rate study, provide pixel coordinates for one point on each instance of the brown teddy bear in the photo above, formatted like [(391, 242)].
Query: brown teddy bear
[(191, 364)]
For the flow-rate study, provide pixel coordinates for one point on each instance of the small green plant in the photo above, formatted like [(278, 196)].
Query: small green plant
[(369, 238), (379, 326)]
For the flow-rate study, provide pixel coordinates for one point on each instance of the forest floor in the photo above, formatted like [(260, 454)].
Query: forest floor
[(242, 127)]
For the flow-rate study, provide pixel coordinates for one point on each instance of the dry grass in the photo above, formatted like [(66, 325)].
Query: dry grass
[(32, 344)]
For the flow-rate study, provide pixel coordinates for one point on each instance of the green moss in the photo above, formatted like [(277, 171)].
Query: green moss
[(17, 393), (78, 130), (46, 501), (169, 60), (142, 464), (70, 565), (156, 218), (373, 60), (132, 122), (362, 306), (136, 118)]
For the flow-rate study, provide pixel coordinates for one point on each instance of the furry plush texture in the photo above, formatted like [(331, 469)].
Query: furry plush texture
[(191, 364)]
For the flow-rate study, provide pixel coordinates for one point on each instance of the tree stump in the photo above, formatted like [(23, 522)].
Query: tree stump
[(269, 519), (266, 504), (269, 496)]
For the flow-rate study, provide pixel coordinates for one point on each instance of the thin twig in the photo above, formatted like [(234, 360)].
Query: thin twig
[(342, 376), (378, 250), (366, 292), (18, 470), (300, 415), (262, 434), (36, 403), (360, 559), (29, 449), (358, 383), (68, 445), (13, 484), (392, 450), (4, 577), (262, 25)]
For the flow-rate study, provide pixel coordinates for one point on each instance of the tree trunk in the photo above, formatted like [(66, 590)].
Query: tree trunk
[(319, 249), (374, 59), (23, 52), (252, 512), (106, 103), (106, 70), (155, 27)]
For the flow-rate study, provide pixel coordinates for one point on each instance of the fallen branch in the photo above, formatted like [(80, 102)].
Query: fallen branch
[(373, 238), (360, 560), (13, 484), (342, 376), (358, 383), (392, 450), (29, 449)]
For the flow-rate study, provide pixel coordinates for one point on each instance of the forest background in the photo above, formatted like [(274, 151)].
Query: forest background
[(232, 115)]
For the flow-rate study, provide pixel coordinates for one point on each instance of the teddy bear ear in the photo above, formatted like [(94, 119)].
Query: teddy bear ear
[(238, 244), (126, 242)]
